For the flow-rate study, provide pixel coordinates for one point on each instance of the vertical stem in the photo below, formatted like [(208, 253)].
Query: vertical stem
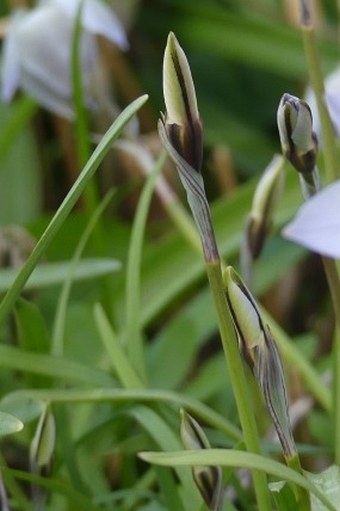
[(316, 79), (238, 380), (333, 280)]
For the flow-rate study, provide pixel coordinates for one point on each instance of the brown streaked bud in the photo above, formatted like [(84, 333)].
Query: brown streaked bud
[(298, 141), (207, 478), (182, 120), (260, 352)]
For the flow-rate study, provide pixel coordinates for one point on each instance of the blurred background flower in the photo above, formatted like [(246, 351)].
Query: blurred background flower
[(37, 52)]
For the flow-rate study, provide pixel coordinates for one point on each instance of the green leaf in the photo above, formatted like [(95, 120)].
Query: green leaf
[(68, 203), (48, 274), (200, 410), (283, 495), (164, 436), (328, 482), (24, 408), (61, 368), (234, 458), (9, 424)]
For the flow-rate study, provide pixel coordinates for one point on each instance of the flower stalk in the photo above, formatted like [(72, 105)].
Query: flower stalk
[(259, 351), (317, 82), (182, 135), (310, 186)]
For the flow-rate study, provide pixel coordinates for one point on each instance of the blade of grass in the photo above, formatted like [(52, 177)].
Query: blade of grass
[(60, 316), (197, 408), (132, 335), (163, 435), (234, 458), (67, 205), (119, 360), (61, 368)]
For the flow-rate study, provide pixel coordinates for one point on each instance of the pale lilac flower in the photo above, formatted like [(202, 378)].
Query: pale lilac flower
[(37, 51), (317, 223), (332, 97)]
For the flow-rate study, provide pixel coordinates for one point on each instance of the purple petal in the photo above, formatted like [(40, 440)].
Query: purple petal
[(317, 223)]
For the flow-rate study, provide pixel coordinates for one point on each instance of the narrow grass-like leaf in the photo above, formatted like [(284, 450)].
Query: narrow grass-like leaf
[(60, 368), (68, 203), (234, 458), (60, 316), (119, 360), (76, 499), (21, 113), (48, 274), (132, 334), (164, 436), (200, 410)]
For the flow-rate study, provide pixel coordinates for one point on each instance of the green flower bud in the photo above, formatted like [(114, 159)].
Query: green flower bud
[(247, 320), (208, 479), (260, 352), (43, 443), (182, 121), (298, 141), (264, 201)]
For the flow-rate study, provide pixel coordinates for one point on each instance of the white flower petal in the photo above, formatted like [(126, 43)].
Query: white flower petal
[(317, 223), (97, 18), (10, 72), (332, 95)]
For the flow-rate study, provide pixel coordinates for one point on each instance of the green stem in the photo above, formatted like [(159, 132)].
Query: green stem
[(302, 495), (333, 280), (238, 380), (316, 79)]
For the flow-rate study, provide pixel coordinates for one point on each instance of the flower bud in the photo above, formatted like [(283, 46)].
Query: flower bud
[(207, 478), (182, 121), (260, 352), (298, 141), (43, 443), (264, 200), (247, 321)]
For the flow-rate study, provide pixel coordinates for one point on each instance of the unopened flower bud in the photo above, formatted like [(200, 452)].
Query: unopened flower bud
[(298, 141), (43, 443), (265, 197), (207, 478), (260, 352), (182, 121), (246, 317)]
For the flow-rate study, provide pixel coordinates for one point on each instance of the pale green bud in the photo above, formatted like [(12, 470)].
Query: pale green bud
[(207, 478), (182, 120), (245, 314), (43, 443), (261, 354), (298, 141), (265, 198)]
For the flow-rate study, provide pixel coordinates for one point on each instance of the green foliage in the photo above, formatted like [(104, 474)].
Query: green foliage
[(110, 323)]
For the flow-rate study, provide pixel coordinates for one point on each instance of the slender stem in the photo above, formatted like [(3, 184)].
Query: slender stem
[(238, 380), (316, 78), (302, 495), (333, 280)]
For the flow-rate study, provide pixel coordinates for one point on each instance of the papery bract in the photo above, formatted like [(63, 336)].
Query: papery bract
[(316, 225)]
